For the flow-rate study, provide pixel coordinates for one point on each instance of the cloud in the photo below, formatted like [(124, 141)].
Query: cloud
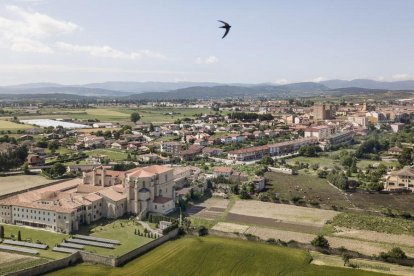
[(281, 81), (207, 60), (107, 51), (27, 31), (319, 79), (400, 77)]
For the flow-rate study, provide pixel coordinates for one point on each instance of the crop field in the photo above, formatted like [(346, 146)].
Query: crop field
[(283, 212), (376, 201), (15, 183), (216, 256), (374, 223), (311, 188), (7, 125), (122, 230)]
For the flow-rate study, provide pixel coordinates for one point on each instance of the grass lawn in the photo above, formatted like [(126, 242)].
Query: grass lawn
[(216, 256), (311, 188), (121, 230), (15, 183), (113, 155), (6, 125), (46, 237)]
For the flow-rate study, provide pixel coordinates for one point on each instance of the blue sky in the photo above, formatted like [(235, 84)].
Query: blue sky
[(80, 41)]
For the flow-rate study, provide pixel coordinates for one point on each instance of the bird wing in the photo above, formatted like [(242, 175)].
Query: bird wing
[(227, 31), (225, 23)]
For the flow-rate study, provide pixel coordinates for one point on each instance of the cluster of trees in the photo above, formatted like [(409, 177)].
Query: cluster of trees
[(309, 151), (369, 149), (56, 171), (243, 116), (7, 139), (13, 158), (339, 179), (407, 157)]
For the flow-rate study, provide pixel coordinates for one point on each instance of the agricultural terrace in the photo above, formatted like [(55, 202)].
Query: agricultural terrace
[(15, 183), (216, 256)]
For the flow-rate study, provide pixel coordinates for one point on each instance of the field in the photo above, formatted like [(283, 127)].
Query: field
[(148, 115), (374, 223), (10, 184), (6, 125), (332, 260), (46, 237), (376, 202), (216, 256), (114, 155), (122, 230), (312, 189), (10, 262)]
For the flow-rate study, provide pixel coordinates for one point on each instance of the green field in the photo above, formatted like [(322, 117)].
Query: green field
[(148, 115), (311, 188), (113, 155), (216, 256), (122, 230), (7, 125)]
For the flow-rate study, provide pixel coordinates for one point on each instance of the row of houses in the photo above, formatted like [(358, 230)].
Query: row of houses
[(277, 149)]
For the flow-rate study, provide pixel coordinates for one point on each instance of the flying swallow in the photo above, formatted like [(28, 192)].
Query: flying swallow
[(226, 26)]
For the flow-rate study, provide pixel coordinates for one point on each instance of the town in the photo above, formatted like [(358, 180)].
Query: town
[(206, 166)]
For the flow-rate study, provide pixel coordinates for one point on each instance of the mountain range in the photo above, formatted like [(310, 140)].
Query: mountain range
[(203, 90)]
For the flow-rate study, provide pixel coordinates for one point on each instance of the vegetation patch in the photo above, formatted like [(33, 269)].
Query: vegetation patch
[(374, 223)]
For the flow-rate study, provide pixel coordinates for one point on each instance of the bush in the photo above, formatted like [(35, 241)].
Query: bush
[(320, 241), (395, 253), (202, 230)]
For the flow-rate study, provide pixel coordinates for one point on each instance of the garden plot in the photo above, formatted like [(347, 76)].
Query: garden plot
[(64, 250), (72, 245), (283, 213), (230, 227), (210, 209)]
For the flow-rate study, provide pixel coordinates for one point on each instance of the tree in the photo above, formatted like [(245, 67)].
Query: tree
[(406, 157), (1, 232), (58, 169), (135, 117), (397, 253), (320, 241), (25, 168), (19, 236)]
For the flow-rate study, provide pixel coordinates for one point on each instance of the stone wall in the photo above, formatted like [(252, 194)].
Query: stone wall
[(97, 259), (50, 266)]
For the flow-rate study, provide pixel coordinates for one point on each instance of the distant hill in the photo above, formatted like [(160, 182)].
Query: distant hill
[(370, 84), (43, 97), (206, 90)]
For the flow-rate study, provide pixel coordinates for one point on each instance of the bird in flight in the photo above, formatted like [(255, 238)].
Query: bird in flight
[(225, 26)]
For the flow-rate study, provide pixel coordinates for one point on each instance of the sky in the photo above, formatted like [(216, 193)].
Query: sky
[(84, 41)]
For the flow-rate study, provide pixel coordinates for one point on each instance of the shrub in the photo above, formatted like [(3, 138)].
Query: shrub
[(320, 241), (202, 230), (395, 253)]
